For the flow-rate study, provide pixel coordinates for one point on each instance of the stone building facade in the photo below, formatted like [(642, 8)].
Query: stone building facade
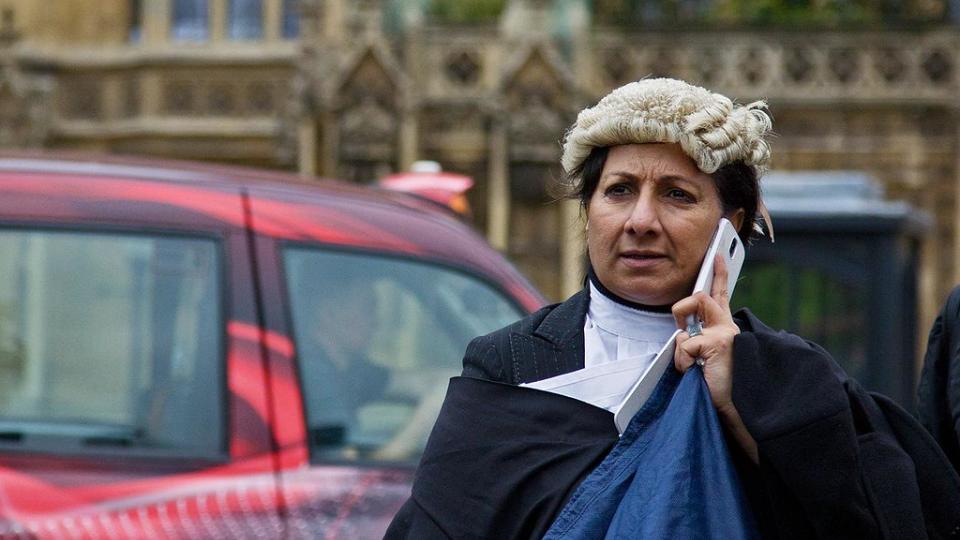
[(355, 89)]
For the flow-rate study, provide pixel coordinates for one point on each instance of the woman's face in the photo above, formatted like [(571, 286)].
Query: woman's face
[(649, 222)]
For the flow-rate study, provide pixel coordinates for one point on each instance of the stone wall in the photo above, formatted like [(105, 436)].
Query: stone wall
[(53, 24)]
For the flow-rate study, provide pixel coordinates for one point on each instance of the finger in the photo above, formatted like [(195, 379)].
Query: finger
[(719, 288), (694, 346), (714, 312), (681, 359), (686, 307), (689, 351)]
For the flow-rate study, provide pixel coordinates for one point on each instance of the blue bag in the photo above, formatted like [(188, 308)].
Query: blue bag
[(669, 476)]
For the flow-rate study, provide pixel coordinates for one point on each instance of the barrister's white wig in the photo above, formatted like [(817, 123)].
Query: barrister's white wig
[(709, 127)]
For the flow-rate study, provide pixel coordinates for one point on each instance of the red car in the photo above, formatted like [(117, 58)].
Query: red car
[(192, 351)]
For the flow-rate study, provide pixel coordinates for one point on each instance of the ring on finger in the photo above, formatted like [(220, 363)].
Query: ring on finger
[(700, 361)]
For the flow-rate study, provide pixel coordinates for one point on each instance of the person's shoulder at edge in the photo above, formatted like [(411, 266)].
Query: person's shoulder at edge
[(482, 359), (938, 390), (487, 355)]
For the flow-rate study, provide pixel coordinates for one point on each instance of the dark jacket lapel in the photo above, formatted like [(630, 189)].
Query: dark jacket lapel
[(555, 346)]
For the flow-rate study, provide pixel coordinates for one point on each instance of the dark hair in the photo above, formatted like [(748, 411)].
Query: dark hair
[(736, 183)]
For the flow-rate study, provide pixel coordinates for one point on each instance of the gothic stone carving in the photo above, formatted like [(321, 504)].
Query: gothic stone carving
[(131, 96), (368, 130), (260, 97), (823, 65), (221, 99), (369, 99), (535, 122), (81, 97), (537, 95), (179, 97), (463, 68), (24, 108), (24, 98)]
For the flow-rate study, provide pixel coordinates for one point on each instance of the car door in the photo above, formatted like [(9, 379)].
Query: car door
[(367, 328), (133, 401)]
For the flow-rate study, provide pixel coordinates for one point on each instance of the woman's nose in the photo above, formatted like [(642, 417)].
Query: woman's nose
[(643, 218)]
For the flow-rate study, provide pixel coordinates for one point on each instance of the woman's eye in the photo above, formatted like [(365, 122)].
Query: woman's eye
[(617, 190), (680, 195)]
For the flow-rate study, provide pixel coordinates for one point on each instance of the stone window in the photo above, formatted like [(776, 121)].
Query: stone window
[(245, 19), (135, 18), (291, 19), (191, 20)]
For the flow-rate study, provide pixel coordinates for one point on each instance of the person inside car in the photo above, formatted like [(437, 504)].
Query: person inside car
[(334, 359), (356, 407)]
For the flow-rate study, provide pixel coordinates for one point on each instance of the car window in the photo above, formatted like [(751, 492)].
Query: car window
[(110, 340), (378, 338)]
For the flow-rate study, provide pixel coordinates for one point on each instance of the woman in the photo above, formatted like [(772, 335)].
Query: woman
[(656, 164)]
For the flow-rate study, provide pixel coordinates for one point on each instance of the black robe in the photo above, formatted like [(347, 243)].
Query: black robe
[(835, 461), (938, 400)]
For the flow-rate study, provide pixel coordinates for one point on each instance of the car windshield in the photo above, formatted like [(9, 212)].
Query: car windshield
[(377, 339), (109, 340)]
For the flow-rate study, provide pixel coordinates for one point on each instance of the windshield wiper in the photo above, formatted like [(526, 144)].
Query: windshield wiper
[(64, 434), (116, 438), (328, 435), (7, 436)]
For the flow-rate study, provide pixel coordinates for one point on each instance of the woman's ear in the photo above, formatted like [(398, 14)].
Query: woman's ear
[(737, 218)]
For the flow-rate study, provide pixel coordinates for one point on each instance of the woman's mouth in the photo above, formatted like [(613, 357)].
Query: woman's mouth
[(641, 259)]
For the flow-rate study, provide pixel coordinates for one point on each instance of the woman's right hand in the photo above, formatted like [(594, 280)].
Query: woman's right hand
[(714, 347)]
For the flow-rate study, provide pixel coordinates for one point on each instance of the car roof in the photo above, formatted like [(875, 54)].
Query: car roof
[(288, 206), (196, 174)]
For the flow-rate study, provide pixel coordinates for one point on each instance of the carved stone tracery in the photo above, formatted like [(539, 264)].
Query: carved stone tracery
[(844, 64), (260, 97), (367, 123), (706, 65), (369, 102), (221, 99), (938, 66), (179, 97), (24, 111), (131, 96), (798, 66), (536, 93), (463, 68), (889, 64), (617, 66), (754, 66), (25, 118)]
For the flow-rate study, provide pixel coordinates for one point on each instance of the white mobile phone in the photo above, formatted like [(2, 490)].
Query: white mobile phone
[(727, 243)]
